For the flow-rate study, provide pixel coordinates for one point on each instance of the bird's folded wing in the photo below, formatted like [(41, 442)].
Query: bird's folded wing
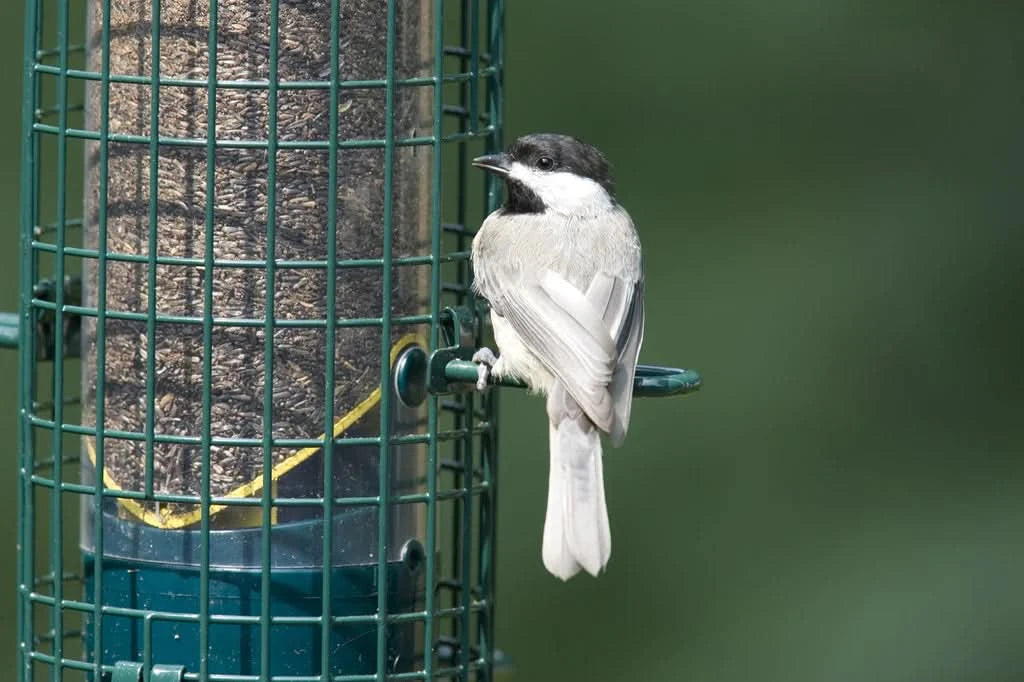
[(570, 334), (629, 337), (621, 305)]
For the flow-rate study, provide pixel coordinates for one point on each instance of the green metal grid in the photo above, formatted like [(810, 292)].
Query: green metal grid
[(55, 612)]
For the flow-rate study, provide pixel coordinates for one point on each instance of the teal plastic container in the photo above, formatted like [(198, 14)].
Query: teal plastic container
[(166, 585)]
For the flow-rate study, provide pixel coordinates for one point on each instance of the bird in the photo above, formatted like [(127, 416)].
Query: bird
[(560, 265)]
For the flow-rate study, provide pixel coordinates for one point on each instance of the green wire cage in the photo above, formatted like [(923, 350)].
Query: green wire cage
[(245, 453)]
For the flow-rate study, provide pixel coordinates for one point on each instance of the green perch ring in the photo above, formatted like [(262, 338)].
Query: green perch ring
[(449, 368), (651, 381)]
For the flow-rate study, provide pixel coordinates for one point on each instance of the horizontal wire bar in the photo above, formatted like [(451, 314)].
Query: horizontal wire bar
[(283, 443), (47, 578), (449, 51), (51, 635), (78, 133), (75, 223), (465, 52), (55, 51), (49, 404), (452, 672), (439, 673), (82, 430), (171, 498), (476, 606), (42, 114), (455, 288), (90, 666), (463, 112), (260, 84), (48, 462), (297, 323), (416, 616), (446, 405), (253, 263), (46, 112), (70, 663)]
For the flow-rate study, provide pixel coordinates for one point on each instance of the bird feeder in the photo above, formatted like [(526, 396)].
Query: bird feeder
[(246, 448)]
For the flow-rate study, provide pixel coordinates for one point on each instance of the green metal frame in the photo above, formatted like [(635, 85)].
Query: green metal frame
[(63, 610)]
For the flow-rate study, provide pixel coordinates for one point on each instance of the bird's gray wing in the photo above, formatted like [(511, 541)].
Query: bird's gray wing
[(628, 341), (622, 309), (576, 336)]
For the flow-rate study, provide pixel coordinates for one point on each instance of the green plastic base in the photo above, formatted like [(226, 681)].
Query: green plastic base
[(172, 591)]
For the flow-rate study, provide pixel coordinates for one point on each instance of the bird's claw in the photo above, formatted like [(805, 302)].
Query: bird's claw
[(484, 359)]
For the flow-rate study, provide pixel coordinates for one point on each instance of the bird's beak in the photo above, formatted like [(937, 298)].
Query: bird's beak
[(499, 164)]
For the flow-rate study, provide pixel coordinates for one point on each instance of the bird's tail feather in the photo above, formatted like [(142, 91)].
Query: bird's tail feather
[(576, 530)]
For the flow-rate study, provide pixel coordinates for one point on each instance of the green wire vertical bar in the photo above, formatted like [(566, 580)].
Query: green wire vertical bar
[(384, 472), (101, 338), (463, 165), (154, 169), (435, 313), (147, 646), (27, 348), (465, 572), (489, 499), (466, 539), (474, 65), (268, 350), (496, 93), (208, 257), (463, 273), (57, 440), (327, 623)]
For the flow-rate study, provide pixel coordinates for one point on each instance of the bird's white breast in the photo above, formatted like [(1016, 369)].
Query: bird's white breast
[(516, 358)]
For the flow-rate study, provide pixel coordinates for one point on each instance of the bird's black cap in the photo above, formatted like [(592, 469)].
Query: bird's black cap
[(547, 152), (568, 154)]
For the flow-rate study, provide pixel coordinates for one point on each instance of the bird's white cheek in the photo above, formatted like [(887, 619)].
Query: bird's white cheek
[(563, 192)]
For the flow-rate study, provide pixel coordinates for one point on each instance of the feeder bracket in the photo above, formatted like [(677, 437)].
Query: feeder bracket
[(451, 367)]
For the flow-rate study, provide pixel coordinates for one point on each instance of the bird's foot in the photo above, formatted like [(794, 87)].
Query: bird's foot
[(485, 359)]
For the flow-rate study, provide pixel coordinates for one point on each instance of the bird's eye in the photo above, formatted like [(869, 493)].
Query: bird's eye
[(545, 163)]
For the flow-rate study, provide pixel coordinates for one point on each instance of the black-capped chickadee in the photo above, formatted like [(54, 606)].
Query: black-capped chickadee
[(560, 265)]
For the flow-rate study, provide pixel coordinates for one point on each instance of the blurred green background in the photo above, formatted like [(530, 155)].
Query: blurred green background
[(829, 197)]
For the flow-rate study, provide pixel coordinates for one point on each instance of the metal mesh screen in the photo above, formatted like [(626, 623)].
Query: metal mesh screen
[(240, 219)]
